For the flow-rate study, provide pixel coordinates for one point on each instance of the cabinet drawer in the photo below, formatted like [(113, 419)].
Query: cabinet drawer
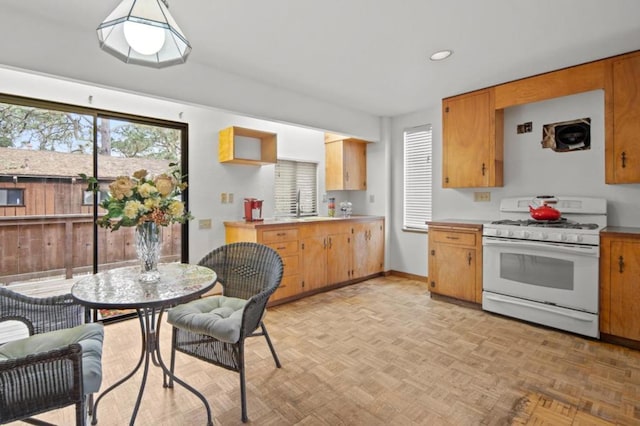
[(450, 237), (285, 248), (278, 235), (289, 286), (291, 264)]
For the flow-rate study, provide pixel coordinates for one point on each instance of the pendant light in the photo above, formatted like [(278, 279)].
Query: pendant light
[(143, 32)]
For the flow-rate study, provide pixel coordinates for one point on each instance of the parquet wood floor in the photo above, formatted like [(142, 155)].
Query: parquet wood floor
[(382, 352)]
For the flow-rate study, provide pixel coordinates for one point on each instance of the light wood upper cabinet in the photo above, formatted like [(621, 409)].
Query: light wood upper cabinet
[(623, 151), (473, 123), (345, 164), (472, 153), (619, 285), (238, 145), (455, 262)]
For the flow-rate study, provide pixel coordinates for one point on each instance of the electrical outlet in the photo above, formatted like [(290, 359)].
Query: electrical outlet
[(230, 198), (204, 224), (524, 127), (481, 196), (223, 198)]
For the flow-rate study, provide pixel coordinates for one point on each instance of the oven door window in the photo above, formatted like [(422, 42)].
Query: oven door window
[(541, 271)]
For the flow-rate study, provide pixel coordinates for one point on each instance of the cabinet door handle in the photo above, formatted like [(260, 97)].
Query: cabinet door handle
[(433, 284), (621, 264), (329, 242), (469, 258), (484, 168), (324, 243), (624, 159), (449, 237), (433, 252)]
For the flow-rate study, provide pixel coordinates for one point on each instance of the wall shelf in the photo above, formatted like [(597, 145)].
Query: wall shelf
[(239, 145)]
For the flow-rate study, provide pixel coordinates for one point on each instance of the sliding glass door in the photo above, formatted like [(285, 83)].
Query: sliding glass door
[(48, 234)]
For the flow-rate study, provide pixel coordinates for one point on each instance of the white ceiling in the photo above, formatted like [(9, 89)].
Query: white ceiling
[(364, 55)]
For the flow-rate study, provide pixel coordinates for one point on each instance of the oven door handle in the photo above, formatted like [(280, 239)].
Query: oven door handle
[(592, 251), (542, 307)]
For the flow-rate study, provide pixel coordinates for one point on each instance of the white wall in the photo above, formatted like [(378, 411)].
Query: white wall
[(408, 250), (528, 170), (190, 83), (207, 177)]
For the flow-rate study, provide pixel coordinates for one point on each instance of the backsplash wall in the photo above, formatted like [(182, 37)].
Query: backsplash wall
[(531, 170)]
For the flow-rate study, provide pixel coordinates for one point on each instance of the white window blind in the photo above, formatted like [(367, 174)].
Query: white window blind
[(296, 179), (417, 177)]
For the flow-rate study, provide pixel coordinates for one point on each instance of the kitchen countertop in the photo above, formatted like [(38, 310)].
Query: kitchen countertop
[(617, 231), (299, 221), (459, 223)]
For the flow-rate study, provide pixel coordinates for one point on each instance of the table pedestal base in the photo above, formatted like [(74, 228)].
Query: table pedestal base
[(150, 329)]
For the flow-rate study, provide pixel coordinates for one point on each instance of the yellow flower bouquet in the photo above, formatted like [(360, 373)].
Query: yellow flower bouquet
[(134, 200)]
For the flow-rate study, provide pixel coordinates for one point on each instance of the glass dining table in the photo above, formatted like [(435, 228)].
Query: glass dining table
[(119, 288)]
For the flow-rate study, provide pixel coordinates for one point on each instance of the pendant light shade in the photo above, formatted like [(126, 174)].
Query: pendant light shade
[(143, 32)]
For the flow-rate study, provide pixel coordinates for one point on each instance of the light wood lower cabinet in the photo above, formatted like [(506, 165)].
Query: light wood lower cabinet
[(326, 254), (455, 262), (283, 239), (368, 251), (318, 255), (620, 282), (339, 255)]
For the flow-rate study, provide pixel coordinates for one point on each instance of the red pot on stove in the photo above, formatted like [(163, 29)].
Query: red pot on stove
[(544, 212)]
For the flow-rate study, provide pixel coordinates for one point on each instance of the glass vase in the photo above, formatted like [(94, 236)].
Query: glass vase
[(148, 250)]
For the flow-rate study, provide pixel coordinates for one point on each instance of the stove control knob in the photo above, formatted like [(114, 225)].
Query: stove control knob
[(498, 232), (521, 234), (543, 236), (557, 237), (574, 238), (509, 233)]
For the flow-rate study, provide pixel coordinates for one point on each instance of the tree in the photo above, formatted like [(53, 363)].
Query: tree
[(43, 129), (138, 140)]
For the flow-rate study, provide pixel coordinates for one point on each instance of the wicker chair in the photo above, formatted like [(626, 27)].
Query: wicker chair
[(57, 365), (214, 328)]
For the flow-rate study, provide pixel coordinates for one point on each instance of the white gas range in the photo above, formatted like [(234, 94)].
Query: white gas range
[(545, 272)]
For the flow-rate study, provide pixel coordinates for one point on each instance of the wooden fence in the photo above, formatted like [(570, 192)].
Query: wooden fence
[(62, 244)]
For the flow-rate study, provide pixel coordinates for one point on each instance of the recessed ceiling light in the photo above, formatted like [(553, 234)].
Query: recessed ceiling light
[(440, 55)]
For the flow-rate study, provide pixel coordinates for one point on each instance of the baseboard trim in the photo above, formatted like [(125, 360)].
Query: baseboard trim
[(415, 277)]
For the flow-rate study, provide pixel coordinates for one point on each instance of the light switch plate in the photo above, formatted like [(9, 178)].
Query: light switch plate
[(204, 224), (481, 196)]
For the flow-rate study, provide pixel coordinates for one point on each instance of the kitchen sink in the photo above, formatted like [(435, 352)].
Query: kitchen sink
[(315, 218)]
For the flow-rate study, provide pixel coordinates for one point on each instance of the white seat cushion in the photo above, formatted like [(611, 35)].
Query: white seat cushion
[(215, 316), (89, 336)]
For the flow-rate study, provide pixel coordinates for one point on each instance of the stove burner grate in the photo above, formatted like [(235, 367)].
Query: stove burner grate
[(560, 223)]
